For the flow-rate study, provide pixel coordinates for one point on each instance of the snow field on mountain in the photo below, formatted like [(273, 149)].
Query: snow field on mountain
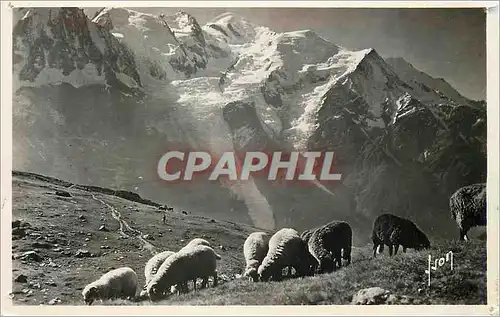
[(235, 30), (205, 103), (303, 115), (190, 73)]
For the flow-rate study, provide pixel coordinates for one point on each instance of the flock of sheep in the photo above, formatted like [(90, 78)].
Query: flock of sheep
[(165, 272), (315, 251)]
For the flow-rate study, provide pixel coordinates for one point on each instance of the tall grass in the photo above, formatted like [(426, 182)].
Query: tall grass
[(403, 274)]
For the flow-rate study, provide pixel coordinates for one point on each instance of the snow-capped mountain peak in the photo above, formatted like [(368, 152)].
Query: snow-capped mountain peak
[(57, 45), (231, 85), (232, 28)]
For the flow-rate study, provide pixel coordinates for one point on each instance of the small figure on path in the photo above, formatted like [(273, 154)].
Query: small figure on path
[(222, 81)]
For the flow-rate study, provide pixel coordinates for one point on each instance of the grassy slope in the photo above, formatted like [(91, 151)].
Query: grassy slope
[(56, 220), (402, 274)]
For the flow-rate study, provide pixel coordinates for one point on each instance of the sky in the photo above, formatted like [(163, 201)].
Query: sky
[(447, 43)]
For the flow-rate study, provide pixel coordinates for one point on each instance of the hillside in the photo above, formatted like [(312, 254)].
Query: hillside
[(59, 224), (98, 100), (403, 276), (71, 249)]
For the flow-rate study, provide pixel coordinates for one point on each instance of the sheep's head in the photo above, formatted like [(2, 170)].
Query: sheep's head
[(251, 273), (422, 241), (327, 264), (154, 291), (90, 294), (306, 260), (143, 294), (264, 273)]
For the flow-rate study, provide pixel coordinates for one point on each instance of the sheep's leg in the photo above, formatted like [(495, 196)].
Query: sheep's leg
[(390, 250), (194, 284), (204, 282), (278, 276), (396, 248), (314, 267), (463, 232), (131, 293), (215, 279), (375, 247), (182, 287), (338, 258), (332, 265)]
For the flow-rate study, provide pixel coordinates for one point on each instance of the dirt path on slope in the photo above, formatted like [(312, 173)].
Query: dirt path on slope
[(125, 227)]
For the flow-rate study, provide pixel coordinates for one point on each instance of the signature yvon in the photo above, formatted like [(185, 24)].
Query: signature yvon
[(439, 263)]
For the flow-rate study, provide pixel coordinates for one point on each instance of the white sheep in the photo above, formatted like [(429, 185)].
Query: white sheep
[(183, 287), (286, 248), (255, 250), (152, 267), (198, 261), (118, 283), (155, 262)]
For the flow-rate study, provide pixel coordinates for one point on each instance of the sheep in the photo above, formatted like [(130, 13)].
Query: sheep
[(254, 249), (155, 262), (187, 264), (468, 208), (286, 248), (393, 231), (330, 243), (183, 287), (152, 267), (118, 283)]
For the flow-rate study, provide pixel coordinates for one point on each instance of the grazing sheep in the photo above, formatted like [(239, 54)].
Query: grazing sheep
[(329, 244), (255, 249), (118, 283), (286, 248), (468, 208), (183, 287), (152, 267), (187, 264), (393, 231)]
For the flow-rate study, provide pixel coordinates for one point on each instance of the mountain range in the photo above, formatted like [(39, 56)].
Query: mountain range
[(98, 99)]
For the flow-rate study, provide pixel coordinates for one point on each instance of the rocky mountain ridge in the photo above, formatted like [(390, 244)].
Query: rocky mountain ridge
[(158, 82)]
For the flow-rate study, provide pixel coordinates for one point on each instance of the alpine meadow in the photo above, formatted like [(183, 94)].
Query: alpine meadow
[(277, 167)]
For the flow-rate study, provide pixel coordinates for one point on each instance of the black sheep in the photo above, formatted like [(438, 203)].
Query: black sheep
[(394, 231), (329, 244), (468, 208)]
